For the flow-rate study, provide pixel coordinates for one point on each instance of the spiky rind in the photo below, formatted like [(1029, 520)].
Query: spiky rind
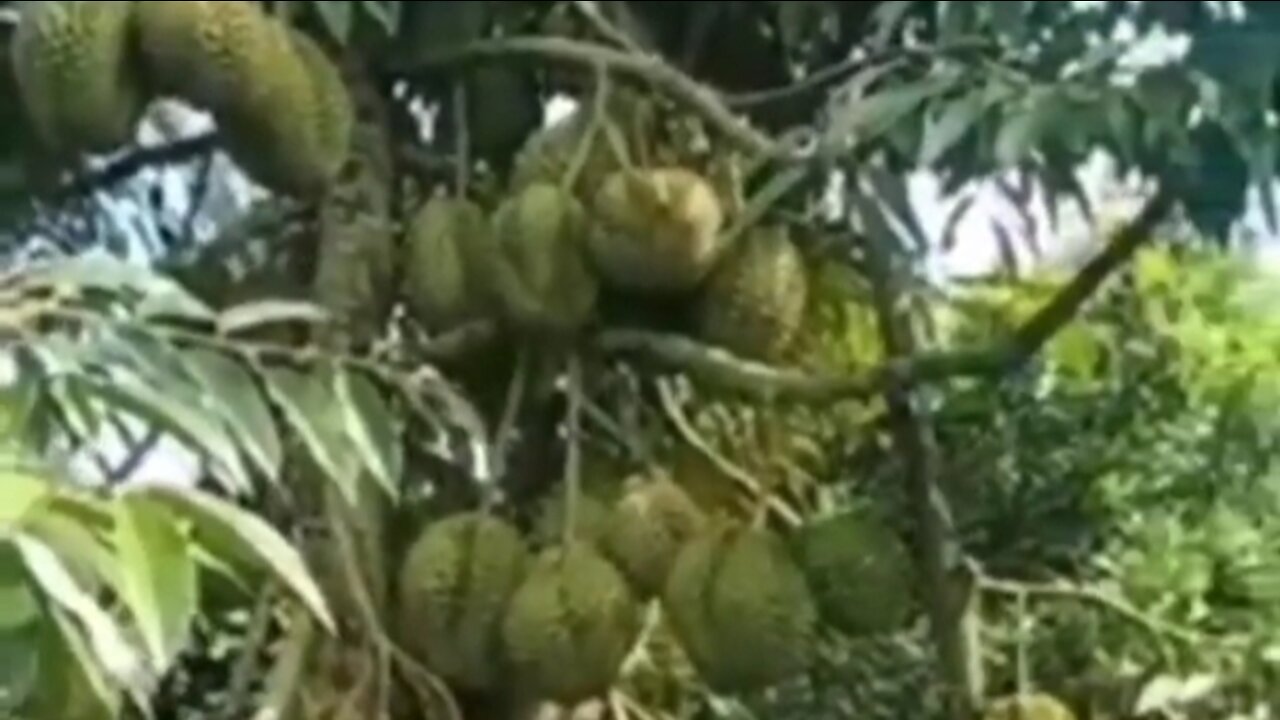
[(858, 570), (443, 276), (206, 53), (657, 230), (456, 584), (755, 300), (571, 625), (538, 266), (77, 74), (647, 528), (741, 609)]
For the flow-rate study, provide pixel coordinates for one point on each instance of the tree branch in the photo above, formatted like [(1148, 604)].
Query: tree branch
[(126, 167), (770, 383), (696, 97)]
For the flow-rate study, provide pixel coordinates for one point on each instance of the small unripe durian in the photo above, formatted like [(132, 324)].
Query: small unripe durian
[(571, 625), (657, 230), (444, 274), (647, 528), (455, 587), (754, 302), (539, 268), (77, 74), (741, 609)]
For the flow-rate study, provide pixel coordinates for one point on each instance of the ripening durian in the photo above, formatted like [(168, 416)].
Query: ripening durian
[(455, 586), (741, 609), (444, 284), (1034, 706), (77, 74), (204, 52), (859, 572), (538, 265), (285, 128), (657, 230), (754, 302), (646, 529), (571, 625)]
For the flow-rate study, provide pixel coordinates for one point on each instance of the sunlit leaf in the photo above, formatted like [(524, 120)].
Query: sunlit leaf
[(372, 428), (233, 533), (243, 407), (159, 581), (312, 408), (259, 313), (107, 639), (20, 493)]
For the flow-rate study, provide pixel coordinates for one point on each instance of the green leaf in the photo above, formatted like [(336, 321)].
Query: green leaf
[(1021, 130), (182, 412), (235, 534), (159, 582), (105, 273), (371, 427), (259, 313), (20, 494), (944, 129), (20, 663), (82, 678), (168, 305), (338, 18), (386, 14), (19, 606), (857, 119), (312, 408), (243, 407), (118, 658)]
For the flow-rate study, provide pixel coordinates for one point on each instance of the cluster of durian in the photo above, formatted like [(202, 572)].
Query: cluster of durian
[(87, 71), (542, 257), (558, 614)]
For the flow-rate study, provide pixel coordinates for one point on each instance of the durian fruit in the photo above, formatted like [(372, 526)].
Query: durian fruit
[(571, 625), (591, 519), (443, 275), (657, 230), (77, 74), (538, 265), (455, 587), (289, 127), (206, 53), (646, 528), (741, 609), (1033, 706), (859, 572), (754, 302)]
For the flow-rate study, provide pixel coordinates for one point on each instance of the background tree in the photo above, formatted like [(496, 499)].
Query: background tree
[(692, 316)]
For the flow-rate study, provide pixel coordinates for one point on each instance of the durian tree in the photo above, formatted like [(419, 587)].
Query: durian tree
[(638, 412)]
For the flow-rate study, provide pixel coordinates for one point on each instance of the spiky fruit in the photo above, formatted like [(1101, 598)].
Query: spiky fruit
[(754, 301), (538, 266), (858, 571), (206, 53), (456, 584), (571, 625), (77, 75), (657, 230), (1034, 706), (646, 529), (741, 609), (284, 127), (443, 274), (590, 521)]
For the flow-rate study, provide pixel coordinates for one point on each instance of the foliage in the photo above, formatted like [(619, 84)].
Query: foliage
[(1105, 448)]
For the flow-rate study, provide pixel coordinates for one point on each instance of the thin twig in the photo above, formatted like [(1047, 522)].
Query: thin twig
[(604, 27), (573, 451), (137, 455), (246, 668), (748, 484), (506, 432), (462, 139), (1158, 629), (682, 88), (595, 125)]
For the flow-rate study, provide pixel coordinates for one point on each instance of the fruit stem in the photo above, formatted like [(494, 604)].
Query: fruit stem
[(573, 455), (595, 122), (462, 139)]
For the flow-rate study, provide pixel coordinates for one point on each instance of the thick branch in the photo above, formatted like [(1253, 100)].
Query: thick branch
[(651, 68), (767, 382)]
